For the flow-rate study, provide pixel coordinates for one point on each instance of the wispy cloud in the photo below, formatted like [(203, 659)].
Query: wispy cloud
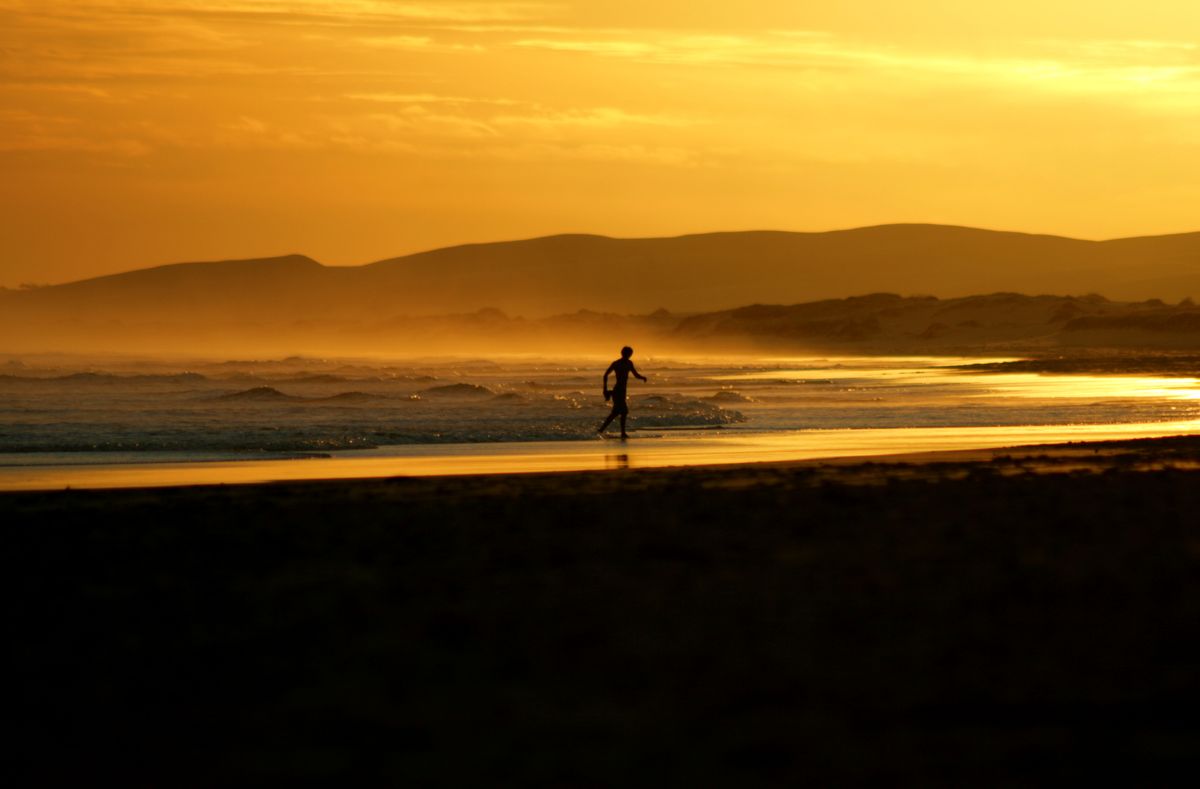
[(311, 11), (431, 120), (419, 43), (595, 118), (105, 40), (28, 131), (72, 89), (426, 98), (385, 76), (1085, 67), (531, 115)]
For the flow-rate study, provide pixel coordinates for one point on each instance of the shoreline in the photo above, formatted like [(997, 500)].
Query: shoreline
[(694, 449), (1177, 453)]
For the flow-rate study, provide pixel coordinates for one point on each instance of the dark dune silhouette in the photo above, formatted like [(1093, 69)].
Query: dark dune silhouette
[(888, 322)]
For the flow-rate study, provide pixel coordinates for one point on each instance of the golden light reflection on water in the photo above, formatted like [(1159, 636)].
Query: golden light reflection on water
[(645, 450), (1092, 387), (1023, 385), (915, 381)]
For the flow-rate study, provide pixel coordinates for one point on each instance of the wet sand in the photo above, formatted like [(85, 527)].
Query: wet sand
[(646, 449), (995, 617)]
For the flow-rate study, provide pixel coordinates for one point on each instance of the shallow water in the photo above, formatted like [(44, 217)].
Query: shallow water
[(146, 422)]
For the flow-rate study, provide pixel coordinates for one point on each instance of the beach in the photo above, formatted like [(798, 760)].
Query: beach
[(566, 394), (985, 618)]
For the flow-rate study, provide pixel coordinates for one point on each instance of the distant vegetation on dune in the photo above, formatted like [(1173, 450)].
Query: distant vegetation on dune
[(568, 292), (1002, 320)]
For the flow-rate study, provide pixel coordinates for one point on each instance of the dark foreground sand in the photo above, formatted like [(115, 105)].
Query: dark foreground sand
[(1022, 619)]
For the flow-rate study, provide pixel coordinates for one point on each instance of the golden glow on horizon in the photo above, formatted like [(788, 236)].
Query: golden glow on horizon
[(990, 385), (1088, 387), (135, 132)]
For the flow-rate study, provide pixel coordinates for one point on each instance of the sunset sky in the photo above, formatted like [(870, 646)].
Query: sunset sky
[(137, 132)]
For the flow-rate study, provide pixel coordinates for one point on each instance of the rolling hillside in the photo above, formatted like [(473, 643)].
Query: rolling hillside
[(559, 274)]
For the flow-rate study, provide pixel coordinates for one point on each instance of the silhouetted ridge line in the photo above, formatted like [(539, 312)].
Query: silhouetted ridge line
[(286, 262), (561, 274)]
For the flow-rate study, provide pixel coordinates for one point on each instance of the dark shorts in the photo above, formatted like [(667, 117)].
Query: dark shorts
[(618, 401)]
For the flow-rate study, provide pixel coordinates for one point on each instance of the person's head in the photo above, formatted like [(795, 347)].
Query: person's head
[(626, 352)]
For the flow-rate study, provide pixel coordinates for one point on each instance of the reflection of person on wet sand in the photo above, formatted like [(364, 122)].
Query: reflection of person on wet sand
[(622, 368)]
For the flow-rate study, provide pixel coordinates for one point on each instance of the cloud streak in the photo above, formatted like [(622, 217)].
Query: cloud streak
[(363, 121), (1094, 67), (341, 12)]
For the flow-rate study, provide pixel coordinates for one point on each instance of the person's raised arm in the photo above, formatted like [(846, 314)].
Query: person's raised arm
[(636, 374)]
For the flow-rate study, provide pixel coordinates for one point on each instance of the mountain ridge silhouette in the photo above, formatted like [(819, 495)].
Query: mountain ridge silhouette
[(701, 272)]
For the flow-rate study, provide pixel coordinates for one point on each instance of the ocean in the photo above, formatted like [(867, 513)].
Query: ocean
[(65, 412)]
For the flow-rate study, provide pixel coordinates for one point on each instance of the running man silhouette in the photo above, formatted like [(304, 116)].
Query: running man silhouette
[(622, 368)]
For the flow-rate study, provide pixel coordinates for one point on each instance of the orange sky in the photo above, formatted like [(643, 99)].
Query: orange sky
[(136, 132)]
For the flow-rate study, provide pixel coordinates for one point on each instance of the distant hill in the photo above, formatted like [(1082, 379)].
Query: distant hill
[(715, 271), (561, 274), (996, 322)]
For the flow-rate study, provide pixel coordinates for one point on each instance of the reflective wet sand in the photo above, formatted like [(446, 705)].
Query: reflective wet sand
[(649, 449)]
